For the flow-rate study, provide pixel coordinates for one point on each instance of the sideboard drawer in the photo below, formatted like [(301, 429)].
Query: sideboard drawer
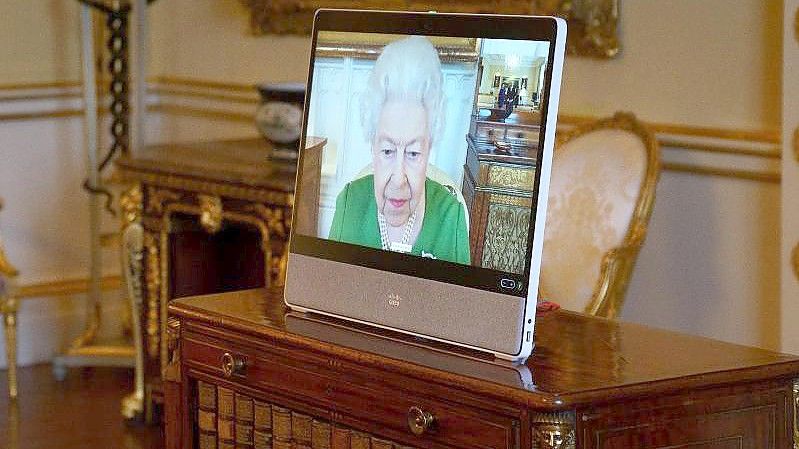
[(457, 425), (413, 417)]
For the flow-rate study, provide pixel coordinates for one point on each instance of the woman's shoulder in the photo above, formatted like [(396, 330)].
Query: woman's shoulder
[(356, 198), (441, 195), (364, 184), (357, 188)]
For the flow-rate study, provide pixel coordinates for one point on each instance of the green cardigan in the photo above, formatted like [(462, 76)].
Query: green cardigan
[(444, 233)]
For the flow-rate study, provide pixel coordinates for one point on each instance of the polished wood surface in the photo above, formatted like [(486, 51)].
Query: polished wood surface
[(80, 412), (239, 161), (576, 358), (607, 384)]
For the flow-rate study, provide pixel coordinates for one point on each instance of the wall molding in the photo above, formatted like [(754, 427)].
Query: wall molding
[(191, 111), (762, 136), (750, 175), (39, 85), (65, 287), (727, 153), (769, 153), (708, 151), (207, 95), (40, 115), (204, 83)]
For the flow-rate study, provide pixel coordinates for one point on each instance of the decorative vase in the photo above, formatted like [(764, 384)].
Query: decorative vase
[(279, 117)]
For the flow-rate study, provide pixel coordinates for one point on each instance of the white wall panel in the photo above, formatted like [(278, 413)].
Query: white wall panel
[(710, 262)]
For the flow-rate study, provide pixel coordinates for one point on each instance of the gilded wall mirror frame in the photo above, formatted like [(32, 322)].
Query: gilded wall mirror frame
[(795, 260), (333, 44), (796, 143), (796, 24), (593, 24)]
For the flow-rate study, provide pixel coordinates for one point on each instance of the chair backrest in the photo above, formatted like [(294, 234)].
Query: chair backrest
[(601, 193), (433, 173)]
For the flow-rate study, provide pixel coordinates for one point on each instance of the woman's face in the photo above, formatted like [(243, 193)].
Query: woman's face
[(400, 152)]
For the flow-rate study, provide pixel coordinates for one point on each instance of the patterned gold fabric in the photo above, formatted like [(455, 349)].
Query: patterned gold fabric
[(509, 226), (596, 182)]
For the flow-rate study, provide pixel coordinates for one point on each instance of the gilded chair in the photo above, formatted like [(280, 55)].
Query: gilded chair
[(601, 194), (8, 308)]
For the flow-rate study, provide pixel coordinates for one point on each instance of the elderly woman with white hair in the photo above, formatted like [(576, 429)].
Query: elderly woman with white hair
[(399, 208)]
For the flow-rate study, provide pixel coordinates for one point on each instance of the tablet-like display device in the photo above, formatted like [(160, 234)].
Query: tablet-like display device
[(422, 182)]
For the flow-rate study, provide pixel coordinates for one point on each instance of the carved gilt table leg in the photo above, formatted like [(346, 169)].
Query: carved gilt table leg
[(553, 431), (133, 247), (8, 307), (131, 203)]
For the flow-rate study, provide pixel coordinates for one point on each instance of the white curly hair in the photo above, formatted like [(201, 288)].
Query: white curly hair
[(407, 69)]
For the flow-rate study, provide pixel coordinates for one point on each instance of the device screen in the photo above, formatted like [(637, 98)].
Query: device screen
[(425, 146)]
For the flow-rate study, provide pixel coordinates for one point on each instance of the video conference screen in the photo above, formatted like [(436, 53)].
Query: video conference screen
[(425, 146)]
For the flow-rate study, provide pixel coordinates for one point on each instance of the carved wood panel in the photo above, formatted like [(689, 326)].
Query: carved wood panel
[(747, 416)]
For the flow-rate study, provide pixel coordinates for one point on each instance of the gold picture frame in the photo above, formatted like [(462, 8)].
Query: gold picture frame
[(369, 46), (796, 143), (593, 24), (795, 260)]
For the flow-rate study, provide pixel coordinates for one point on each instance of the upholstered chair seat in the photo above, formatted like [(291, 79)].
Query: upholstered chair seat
[(600, 199)]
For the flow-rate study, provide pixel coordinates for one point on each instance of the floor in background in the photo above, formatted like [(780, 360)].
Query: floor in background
[(83, 411)]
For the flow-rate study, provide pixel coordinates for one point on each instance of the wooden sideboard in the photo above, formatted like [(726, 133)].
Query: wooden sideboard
[(215, 217), (243, 372)]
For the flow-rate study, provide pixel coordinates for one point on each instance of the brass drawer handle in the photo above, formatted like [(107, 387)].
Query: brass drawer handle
[(420, 421), (232, 364)]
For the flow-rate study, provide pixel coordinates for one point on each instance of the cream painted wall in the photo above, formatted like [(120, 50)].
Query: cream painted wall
[(44, 223), (706, 267), (39, 41), (706, 63), (711, 63), (790, 178), (209, 39), (709, 265)]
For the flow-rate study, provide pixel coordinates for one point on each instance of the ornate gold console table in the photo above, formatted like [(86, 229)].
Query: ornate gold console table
[(214, 217), (246, 373)]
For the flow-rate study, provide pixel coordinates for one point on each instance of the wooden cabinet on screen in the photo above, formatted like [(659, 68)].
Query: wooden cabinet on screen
[(498, 181), (242, 372)]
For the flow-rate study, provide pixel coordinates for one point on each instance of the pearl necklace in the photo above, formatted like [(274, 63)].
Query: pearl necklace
[(402, 246)]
